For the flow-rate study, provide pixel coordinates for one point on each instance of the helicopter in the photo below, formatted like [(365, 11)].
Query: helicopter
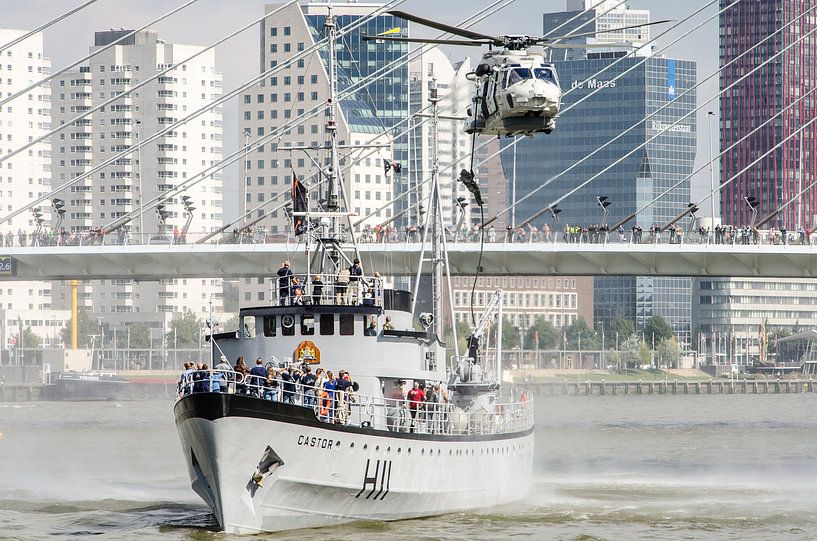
[(518, 90)]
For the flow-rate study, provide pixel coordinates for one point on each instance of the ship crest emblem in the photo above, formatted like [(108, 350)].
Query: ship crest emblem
[(307, 352)]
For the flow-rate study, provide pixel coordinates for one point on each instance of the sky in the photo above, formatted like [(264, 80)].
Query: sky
[(208, 20)]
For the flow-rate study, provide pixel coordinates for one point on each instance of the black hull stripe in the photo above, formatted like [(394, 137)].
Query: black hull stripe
[(212, 406)]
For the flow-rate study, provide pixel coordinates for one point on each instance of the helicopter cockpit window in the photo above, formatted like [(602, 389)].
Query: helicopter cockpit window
[(519, 74), (545, 74)]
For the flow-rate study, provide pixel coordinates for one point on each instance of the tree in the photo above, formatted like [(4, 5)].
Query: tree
[(546, 333), (510, 334), (668, 352), (580, 329), (657, 329), (634, 352), (137, 336), (622, 329), (185, 332), (31, 340), (463, 330), (87, 327)]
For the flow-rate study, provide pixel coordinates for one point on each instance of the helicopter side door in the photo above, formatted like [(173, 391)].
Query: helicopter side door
[(490, 92)]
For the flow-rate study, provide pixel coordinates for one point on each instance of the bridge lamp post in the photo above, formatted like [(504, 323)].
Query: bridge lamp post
[(247, 135), (709, 116), (752, 203), (554, 212), (692, 209), (604, 202), (139, 174)]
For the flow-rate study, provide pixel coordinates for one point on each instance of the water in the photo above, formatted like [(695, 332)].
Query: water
[(629, 468)]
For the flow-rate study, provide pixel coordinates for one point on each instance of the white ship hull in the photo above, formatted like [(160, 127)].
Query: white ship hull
[(329, 474)]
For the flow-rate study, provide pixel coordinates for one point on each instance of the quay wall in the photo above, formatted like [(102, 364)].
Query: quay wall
[(671, 387)]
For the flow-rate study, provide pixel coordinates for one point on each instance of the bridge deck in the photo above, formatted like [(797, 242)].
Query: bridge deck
[(400, 259)]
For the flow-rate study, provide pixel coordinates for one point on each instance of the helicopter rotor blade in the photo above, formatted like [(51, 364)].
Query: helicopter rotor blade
[(444, 27), (589, 45), (468, 43), (597, 32)]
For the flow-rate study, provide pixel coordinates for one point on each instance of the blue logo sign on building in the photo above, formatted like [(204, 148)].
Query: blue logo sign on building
[(671, 79)]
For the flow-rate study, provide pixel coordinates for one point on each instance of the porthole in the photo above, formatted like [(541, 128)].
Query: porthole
[(352, 445), (365, 446), (422, 451), (409, 450), (398, 450), (439, 452), (377, 448), (337, 444)]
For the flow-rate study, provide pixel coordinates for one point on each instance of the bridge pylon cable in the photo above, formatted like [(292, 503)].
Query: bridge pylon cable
[(616, 78), (707, 164), (280, 67), (134, 88), (660, 132), (56, 74), (760, 158), (456, 162), (480, 15), (45, 25), (669, 127), (491, 156)]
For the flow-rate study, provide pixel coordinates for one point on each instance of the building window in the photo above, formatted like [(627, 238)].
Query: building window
[(287, 31)]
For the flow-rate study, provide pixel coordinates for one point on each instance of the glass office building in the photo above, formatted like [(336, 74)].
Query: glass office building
[(665, 160), (385, 102)]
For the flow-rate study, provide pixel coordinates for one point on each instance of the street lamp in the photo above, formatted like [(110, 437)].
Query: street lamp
[(709, 116), (752, 203), (247, 135), (139, 174), (604, 202)]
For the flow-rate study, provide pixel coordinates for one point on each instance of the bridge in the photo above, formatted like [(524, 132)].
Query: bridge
[(231, 261)]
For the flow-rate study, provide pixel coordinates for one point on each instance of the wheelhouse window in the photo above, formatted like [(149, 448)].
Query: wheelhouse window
[(307, 325), (288, 325), (327, 324), (347, 324), (270, 328)]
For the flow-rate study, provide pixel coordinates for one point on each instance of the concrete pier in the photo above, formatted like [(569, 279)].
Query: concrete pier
[(671, 387)]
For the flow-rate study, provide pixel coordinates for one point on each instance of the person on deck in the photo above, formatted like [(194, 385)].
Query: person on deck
[(284, 278), (415, 398)]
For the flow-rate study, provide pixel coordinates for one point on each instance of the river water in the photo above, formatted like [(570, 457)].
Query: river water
[(629, 468)]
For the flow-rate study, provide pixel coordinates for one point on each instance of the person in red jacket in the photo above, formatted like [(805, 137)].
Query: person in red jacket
[(416, 397)]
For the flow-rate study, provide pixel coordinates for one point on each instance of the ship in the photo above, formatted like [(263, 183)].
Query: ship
[(275, 454)]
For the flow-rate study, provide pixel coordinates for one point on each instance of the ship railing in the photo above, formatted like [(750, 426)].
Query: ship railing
[(351, 408), (327, 289)]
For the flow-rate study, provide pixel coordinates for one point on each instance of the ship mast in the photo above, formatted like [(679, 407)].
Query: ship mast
[(332, 199), (436, 217)]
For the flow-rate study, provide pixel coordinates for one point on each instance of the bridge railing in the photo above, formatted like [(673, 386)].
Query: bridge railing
[(727, 235)]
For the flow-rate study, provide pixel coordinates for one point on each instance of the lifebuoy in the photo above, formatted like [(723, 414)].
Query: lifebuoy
[(324, 403)]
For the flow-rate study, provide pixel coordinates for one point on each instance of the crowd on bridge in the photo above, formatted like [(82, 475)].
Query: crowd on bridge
[(530, 233)]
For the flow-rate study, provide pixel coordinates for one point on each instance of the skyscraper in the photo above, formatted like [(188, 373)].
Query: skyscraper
[(142, 175), (777, 179), (667, 158), (365, 117), (607, 18), (24, 306)]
